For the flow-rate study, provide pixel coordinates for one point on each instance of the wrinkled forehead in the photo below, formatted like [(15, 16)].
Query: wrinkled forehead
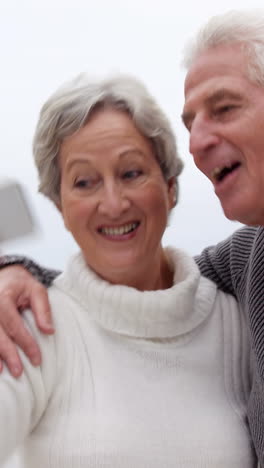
[(216, 74), (222, 60)]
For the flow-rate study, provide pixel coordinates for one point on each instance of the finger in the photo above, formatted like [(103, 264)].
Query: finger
[(15, 329), (9, 354), (39, 304)]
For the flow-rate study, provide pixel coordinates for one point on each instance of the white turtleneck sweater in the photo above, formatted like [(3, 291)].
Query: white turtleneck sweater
[(154, 379)]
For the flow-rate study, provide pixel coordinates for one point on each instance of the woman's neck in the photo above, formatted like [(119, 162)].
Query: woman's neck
[(158, 275)]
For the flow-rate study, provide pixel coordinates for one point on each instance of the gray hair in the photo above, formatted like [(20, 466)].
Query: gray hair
[(244, 27), (69, 109)]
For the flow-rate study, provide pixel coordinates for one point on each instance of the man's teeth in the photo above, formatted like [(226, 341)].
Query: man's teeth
[(219, 173), (118, 231), (216, 172)]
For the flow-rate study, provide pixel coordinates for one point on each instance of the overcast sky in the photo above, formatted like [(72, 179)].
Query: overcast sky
[(44, 43)]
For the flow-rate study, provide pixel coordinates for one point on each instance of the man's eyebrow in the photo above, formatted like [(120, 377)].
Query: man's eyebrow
[(221, 94)]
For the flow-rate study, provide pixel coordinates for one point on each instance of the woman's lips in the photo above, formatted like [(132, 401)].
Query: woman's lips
[(120, 231)]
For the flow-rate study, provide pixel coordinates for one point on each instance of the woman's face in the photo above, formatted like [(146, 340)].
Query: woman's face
[(114, 199)]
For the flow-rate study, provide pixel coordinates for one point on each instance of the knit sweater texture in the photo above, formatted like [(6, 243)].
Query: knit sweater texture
[(154, 379)]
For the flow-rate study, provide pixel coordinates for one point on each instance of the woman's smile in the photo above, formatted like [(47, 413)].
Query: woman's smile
[(121, 232)]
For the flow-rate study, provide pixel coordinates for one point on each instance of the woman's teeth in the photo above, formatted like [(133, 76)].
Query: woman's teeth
[(118, 231)]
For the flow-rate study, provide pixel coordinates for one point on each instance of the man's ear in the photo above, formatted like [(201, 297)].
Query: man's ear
[(172, 191)]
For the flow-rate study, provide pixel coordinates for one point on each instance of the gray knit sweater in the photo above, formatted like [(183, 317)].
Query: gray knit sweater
[(237, 266)]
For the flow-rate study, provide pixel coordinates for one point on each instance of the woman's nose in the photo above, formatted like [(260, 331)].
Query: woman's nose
[(113, 202)]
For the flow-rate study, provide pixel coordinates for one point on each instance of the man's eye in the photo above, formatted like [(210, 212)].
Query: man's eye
[(225, 109), (132, 174)]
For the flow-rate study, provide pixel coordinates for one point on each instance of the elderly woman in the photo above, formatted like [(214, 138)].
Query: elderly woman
[(149, 366)]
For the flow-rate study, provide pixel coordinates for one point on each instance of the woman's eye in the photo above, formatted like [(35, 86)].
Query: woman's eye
[(132, 174), (83, 183)]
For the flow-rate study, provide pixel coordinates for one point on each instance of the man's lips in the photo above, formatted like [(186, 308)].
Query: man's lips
[(218, 174)]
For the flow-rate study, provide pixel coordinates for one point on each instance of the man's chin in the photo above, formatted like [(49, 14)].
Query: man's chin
[(248, 217)]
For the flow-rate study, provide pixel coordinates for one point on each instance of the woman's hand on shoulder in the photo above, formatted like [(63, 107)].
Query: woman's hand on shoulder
[(20, 290)]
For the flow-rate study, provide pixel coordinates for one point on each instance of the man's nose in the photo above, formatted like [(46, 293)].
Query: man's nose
[(202, 138), (114, 201)]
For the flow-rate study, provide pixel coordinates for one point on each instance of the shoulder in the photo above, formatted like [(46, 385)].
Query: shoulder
[(228, 317), (35, 386), (233, 322), (240, 243), (70, 319), (237, 352), (62, 302), (227, 304), (47, 344), (245, 237)]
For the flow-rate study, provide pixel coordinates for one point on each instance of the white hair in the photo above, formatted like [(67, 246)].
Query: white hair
[(244, 27), (70, 108)]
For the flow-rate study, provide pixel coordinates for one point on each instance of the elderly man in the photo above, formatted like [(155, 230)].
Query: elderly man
[(224, 114)]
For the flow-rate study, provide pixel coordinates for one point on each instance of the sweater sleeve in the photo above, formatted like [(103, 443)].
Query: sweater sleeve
[(43, 275), (227, 262), (24, 400)]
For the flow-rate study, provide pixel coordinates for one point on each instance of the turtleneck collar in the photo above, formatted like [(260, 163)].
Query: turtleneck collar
[(149, 314)]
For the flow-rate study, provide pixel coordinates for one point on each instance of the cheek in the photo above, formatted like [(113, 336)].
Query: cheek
[(248, 140), (253, 155), (156, 201), (75, 213)]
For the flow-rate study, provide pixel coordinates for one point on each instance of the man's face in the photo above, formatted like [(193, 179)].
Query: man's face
[(224, 113)]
